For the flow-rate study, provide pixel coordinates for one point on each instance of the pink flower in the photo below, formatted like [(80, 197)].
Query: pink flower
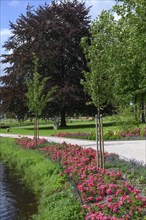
[(115, 209), (118, 192), (109, 199)]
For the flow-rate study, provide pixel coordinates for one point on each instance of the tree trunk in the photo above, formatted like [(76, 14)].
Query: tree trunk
[(145, 110), (136, 114), (97, 150), (99, 141), (63, 121), (142, 108), (103, 159), (36, 131)]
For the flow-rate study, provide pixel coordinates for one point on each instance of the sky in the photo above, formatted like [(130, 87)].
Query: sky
[(11, 9)]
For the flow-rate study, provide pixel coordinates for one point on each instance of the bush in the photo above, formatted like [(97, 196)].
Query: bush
[(126, 119)]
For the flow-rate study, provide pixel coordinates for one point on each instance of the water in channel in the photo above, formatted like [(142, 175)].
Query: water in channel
[(16, 202)]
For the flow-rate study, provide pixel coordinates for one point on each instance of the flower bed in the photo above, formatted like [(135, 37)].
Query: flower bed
[(29, 143), (105, 194), (55, 198), (80, 135), (134, 133), (108, 135)]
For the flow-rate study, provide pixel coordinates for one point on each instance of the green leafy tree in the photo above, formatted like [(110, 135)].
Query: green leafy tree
[(98, 81), (130, 53), (36, 97)]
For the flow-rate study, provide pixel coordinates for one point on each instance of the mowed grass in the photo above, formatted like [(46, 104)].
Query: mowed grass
[(46, 129), (73, 126)]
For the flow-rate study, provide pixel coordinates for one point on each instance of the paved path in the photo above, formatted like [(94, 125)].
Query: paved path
[(125, 149)]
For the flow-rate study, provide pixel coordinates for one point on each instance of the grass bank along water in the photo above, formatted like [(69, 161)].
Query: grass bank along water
[(17, 202), (55, 197)]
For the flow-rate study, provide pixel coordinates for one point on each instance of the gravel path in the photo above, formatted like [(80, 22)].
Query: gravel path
[(125, 149)]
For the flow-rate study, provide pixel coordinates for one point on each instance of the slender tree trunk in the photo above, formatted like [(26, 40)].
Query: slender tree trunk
[(36, 132), (145, 108), (63, 120), (135, 108), (97, 135), (102, 140), (99, 141), (37, 128), (142, 108)]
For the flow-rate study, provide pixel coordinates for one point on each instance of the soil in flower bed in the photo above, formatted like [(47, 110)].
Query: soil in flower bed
[(105, 194)]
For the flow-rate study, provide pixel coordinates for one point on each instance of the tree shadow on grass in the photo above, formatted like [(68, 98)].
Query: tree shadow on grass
[(109, 124), (41, 128), (73, 126)]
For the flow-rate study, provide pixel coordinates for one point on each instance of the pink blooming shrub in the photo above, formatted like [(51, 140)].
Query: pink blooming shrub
[(109, 135), (131, 133), (29, 143), (81, 135), (104, 193)]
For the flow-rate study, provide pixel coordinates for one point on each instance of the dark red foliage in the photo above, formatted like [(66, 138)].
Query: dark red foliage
[(53, 32)]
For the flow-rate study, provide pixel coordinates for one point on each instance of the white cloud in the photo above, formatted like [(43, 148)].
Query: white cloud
[(4, 35), (5, 32), (14, 3), (98, 6)]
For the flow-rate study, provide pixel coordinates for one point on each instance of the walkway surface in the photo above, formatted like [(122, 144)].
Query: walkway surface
[(125, 149)]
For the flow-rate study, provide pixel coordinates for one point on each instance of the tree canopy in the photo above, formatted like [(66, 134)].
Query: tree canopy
[(53, 33), (98, 80), (115, 52), (110, 60), (130, 60), (36, 99)]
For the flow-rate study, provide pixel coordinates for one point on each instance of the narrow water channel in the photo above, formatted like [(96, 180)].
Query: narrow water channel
[(16, 202)]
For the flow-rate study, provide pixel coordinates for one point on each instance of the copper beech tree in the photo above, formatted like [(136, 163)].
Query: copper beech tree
[(53, 32)]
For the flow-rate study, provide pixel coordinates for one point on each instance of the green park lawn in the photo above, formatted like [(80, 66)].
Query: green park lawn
[(73, 126), (46, 128)]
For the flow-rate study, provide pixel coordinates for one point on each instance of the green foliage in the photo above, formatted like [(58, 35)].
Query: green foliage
[(61, 205), (111, 135), (131, 168), (37, 100), (56, 199), (98, 82), (130, 50), (126, 119)]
